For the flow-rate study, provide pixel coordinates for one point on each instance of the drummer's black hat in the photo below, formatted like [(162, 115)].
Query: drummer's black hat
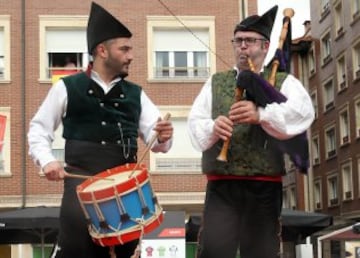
[(103, 26), (260, 24)]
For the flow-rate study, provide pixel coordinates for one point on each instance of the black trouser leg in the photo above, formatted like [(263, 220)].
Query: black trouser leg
[(243, 214), (74, 239)]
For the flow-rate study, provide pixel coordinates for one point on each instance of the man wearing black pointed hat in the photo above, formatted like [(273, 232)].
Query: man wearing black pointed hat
[(244, 194), (102, 115)]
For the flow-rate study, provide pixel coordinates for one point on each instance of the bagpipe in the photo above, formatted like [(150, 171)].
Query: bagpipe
[(263, 92)]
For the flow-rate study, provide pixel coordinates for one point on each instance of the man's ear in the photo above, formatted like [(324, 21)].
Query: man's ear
[(101, 50), (266, 44)]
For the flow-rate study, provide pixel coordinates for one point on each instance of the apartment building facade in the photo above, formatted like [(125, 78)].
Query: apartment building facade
[(334, 85), (177, 46)]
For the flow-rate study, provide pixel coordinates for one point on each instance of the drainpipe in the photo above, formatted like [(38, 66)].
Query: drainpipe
[(23, 106), (243, 9), (310, 175)]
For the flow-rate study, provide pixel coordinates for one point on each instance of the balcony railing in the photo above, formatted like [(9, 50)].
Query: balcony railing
[(331, 153), (342, 85), (316, 161), (181, 72), (348, 195), (334, 201), (357, 73), (329, 105)]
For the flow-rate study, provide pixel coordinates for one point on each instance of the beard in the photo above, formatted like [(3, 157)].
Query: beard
[(118, 68)]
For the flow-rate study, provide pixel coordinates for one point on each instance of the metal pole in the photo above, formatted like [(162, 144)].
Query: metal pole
[(23, 103)]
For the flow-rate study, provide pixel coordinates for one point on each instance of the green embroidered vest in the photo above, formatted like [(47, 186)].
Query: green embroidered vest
[(248, 153), (93, 116)]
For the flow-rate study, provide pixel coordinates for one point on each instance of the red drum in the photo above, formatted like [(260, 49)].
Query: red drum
[(119, 205)]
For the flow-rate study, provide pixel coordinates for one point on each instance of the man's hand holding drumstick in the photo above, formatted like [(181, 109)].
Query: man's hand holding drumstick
[(164, 129), (54, 171)]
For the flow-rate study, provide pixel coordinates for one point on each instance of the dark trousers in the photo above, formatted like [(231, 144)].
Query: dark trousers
[(241, 214), (87, 158), (74, 240)]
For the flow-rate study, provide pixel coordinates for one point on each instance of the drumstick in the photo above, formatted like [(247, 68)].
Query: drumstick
[(71, 175), (148, 147)]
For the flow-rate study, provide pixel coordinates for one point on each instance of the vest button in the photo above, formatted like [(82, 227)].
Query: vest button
[(116, 104), (102, 104), (103, 142), (119, 124), (90, 92), (122, 96), (118, 142), (103, 123)]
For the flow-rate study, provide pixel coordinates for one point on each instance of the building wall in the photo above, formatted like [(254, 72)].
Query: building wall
[(325, 21), (24, 91)]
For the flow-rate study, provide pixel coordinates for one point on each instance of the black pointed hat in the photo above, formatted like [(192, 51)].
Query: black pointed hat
[(103, 26), (260, 24)]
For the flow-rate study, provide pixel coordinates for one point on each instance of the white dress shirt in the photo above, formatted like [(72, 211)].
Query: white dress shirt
[(53, 109), (281, 121)]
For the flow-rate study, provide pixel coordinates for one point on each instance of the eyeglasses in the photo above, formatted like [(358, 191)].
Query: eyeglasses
[(248, 41)]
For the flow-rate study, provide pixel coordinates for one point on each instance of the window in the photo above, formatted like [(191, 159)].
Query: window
[(63, 47), (357, 117), (326, 48), (339, 19), (180, 64), (176, 52), (293, 198), (177, 60), (355, 8), (333, 190), (346, 180), (315, 103), (200, 64), (285, 202), (356, 60), (66, 51), (4, 47), (328, 95), (311, 61), (162, 64), (182, 157), (315, 147), (58, 145), (325, 6), (325, 9), (5, 141), (344, 126), (330, 142), (341, 73), (317, 194)]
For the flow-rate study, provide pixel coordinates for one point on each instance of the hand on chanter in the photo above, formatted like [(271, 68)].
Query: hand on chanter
[(244, 112), (223, 127), (164, 129), (54, 171)]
